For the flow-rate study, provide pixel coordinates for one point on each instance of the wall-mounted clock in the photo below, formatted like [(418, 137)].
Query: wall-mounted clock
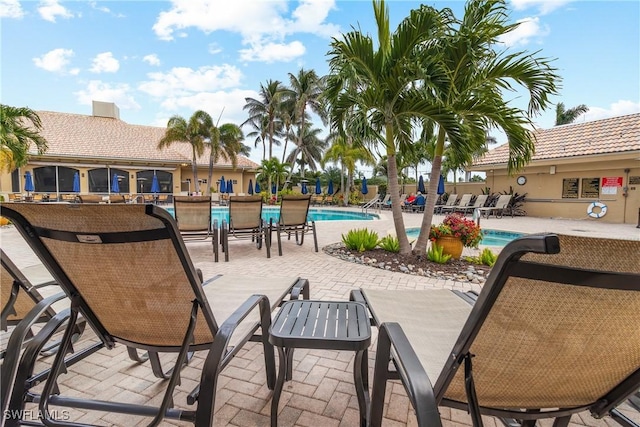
[(522, 180)]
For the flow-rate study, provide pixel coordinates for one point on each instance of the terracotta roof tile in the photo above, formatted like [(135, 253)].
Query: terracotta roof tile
[(612, 135), (82, 136)]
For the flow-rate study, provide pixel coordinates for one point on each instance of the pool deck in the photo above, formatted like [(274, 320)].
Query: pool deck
[(321, 392)]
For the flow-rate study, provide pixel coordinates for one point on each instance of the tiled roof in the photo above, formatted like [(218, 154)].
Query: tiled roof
[(82, 136), (612, 135)]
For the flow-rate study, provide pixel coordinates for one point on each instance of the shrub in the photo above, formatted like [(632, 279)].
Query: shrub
[(360, 240), (435, 254), (390, 244), (487, 257)]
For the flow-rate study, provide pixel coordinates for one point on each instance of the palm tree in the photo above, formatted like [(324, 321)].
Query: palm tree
[(306, 91), (224, 142), (267, 108), (194, 132), (272, 170), (374, 88), (471, 90), (564, 117), (309, 148), (341, 151), (16, 136)]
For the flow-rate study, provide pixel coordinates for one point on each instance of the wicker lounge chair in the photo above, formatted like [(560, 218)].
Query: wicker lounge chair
[(193, 215), (146, 293), (501, 204), (293, 220), (554, 332), (451, 201), (245, 222)]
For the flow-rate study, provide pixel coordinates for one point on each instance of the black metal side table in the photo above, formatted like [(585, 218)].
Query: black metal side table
[(328, 325)]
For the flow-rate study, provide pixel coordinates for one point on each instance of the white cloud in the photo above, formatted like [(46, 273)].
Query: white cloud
[(229, 103), (544, 6), (50, 9), (105, 63), (272, 52), (528, 29), (619, 108), (214, 48), (183, 81), (260, 24), (152, 59), (121, 94), (11, 9), (95, 6), (55, 60)]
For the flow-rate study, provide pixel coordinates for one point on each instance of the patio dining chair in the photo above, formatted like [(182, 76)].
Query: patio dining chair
[(193, 215), (245, 222), (553, 332), (293, 220), (144, 293)]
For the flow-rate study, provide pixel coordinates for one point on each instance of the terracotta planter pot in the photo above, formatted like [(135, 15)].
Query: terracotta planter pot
[(451, 246)]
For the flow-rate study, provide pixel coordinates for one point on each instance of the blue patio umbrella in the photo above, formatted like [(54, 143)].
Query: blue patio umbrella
[(258, 189), (274, 189), (318, 186), (155, 185), (115, 185), (330, 188), (441, 185), (229, 187), (304, 188), (76, 182), (364, 189), (421, 185), (250, 190), (28, 182), (223, 186)]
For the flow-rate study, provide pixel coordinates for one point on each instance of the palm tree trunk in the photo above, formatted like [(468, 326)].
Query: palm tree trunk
[(432, 195), (194, 167), (394, 188), (210, 177)]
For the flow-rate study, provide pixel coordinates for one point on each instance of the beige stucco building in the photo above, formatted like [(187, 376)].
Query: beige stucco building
[(574, 166), (101, 145)]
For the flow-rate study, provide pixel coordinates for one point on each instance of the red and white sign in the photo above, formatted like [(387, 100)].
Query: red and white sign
[(612, 181)]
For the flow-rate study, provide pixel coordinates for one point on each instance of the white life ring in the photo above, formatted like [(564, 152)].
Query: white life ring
[(592, 214)]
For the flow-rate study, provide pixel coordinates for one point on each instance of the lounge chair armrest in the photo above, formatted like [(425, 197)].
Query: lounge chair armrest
[(414, 377), (14, 345), (301, 287)]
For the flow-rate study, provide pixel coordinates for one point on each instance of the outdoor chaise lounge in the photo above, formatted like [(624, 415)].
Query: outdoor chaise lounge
[(193, 215), (451, 201), (478, 203), (128, 273), (554, 332), (293, 220), (245, 222), (501, 204), (464, 202)]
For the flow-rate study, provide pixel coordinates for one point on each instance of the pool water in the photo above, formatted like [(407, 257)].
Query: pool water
[(490, 237), (269, 213)]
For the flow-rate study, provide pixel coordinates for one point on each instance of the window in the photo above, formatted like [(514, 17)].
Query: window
[(44, 179), (144, 180), (65, 179), (15, 181), (123, 179), (99, 180)]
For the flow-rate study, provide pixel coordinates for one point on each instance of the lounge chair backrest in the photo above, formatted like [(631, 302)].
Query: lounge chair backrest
[(464, 200), (451, 200), (126, 263), (480, 201), (24, 302), (245, 212), (557, 330), (294, 210), (503, 201), (192, 213)]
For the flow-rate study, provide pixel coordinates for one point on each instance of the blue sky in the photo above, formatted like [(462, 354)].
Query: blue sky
[(155, 59)]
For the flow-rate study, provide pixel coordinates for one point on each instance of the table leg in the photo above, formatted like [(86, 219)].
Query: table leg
[(277, 391), (359, 381)]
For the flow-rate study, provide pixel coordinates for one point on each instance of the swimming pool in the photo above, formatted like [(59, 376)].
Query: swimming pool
[(314, 214), (491, 237)]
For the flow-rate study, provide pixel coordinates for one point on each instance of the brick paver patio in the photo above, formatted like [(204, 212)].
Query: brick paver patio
[(322, 391)]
